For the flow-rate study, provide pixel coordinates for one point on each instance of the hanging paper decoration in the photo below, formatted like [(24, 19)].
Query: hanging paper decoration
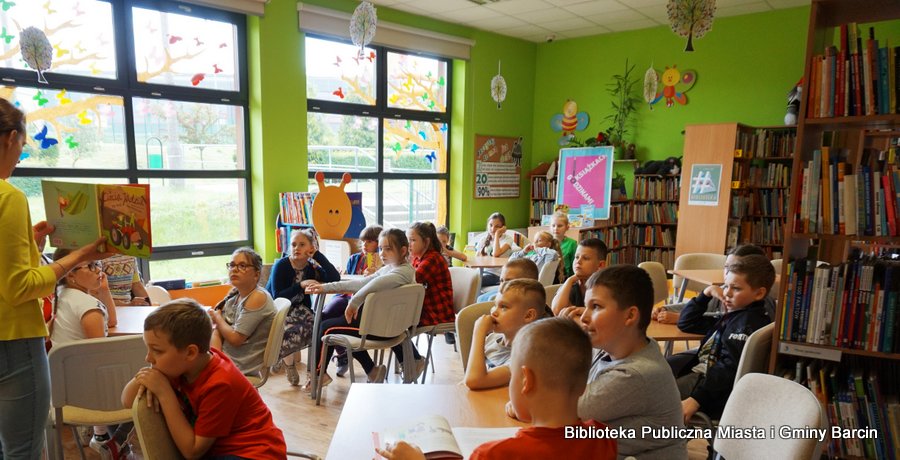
[(36, 51), (675, 86), (651, 83), (691, 18), (498, 87), (569, 121), (71, 142), (46, 142), (362, 26)]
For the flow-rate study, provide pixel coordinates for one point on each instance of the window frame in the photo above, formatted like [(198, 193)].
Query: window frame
[(125, 85), (380, 111)]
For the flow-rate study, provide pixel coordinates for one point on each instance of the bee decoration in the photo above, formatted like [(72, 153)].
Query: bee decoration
[(569, 121)]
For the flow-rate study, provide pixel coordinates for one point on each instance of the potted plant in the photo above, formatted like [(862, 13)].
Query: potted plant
[(624, 102), (618, 187)]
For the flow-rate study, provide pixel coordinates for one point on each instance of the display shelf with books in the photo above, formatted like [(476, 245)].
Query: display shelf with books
[(543, 191), (837, 317), (295, 211)]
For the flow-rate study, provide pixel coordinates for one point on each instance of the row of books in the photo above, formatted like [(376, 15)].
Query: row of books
[(770, 175), (613, 237), (295, 207), (766, 143), (543, 188), (835, 200), (653, 236), (654, 188), (619, 257), (540, 208), (855, 399), (662, 255), (657, 213), (854, 78), (852, 305), (762, 232)]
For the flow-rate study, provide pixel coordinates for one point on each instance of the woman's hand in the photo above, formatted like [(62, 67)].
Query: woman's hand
[(315, 288), (93, 251), (41, 230)]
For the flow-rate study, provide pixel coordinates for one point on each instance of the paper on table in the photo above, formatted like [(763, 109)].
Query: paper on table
[(469, 438), (437, 440)]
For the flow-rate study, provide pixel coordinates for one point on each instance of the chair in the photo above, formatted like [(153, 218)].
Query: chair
[(754, 359), (657, 274), (761, 400), (264, 275), (158, 295), (465, 323), (551, 292), (393, 314), (273, 344), (776, 286), (547, 275), (153, 434), (86, 382), (695, 261)]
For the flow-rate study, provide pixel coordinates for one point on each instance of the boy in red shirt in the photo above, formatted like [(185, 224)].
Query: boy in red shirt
[(549, 370), (211, 409)]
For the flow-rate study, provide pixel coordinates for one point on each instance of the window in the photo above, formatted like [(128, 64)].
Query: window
[(386, 121), (140, 91)]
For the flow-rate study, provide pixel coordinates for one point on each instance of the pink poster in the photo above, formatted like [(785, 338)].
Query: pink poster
[(585, 180)]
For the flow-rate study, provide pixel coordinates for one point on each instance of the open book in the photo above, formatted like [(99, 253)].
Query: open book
[(82, 213), (438, 441)]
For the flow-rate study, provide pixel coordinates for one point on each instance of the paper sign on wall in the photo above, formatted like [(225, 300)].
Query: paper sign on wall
[(498, 166), (585, 179), (704, 186)]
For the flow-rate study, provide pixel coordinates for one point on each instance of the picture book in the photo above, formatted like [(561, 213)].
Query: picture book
[(438, 440), (82, 213)]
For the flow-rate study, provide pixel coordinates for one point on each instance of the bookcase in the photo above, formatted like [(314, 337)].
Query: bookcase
[(294, 212), (543, 193), (654, 218), (614, 232), (837, 318)]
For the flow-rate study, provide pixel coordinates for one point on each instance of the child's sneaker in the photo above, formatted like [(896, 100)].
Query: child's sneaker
[(343, 365), (293, 376), (108, 448)]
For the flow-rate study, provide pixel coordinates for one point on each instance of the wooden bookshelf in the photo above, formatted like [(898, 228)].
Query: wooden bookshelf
[(542, 193), (830, 333), (654, 218), (615, 232)]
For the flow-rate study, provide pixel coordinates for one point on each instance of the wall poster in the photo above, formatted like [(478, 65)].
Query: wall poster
[(705, 181), (585, 180), (498, 166)]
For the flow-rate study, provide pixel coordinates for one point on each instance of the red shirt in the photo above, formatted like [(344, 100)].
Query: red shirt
[(541, 442), (432, 272), (225, 406)]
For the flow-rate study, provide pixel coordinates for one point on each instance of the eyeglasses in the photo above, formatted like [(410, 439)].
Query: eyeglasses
[(239, 267), (93, 266)]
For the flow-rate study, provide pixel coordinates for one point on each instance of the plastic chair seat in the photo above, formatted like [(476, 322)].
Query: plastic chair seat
[(80, 416)]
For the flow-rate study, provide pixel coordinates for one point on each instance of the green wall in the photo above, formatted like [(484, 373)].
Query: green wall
[(745, 65), (278, 113)]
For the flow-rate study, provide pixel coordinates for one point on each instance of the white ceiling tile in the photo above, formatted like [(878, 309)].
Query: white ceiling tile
[(655, 12), (743, 9), (567, 2), (779, 4), (587, 31), (596, 7), (567, 24), (525, 31), (500, 22), (616, 16), (516, 6), (385, 2), (553, 14), (632, 25), (474, 13), (435, 7), (645, 3)]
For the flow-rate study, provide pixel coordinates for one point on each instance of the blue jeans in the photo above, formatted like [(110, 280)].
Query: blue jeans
[(24, 398)]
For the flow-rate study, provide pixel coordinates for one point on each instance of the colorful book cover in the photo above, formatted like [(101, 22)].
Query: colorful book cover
[(82, 213)]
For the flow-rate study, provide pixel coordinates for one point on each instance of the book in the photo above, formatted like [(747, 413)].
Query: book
[(82, 213), (438, 440)]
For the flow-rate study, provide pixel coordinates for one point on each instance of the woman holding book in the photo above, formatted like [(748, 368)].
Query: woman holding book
[(24, 371)]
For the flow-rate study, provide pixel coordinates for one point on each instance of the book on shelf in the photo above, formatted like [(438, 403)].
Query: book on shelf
[(438, 440), (82, 213), (296, 207)]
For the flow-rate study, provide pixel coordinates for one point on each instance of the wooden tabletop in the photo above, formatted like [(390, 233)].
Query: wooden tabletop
[(486, 262), (708, 277), (669, 332), (130, 320), (378, 407)]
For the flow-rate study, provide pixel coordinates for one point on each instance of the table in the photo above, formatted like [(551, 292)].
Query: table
[(377, 407), (482, 262), (130, 320), (669, 333), (707, 277)]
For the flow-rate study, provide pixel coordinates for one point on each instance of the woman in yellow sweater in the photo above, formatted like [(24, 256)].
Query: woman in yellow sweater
[(24, 373)]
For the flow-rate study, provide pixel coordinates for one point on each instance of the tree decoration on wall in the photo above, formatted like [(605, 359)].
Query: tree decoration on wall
[(691, 18), (675, 86), (569, 121), (651, 85), (362, 26), (36, 51), (498, 87)]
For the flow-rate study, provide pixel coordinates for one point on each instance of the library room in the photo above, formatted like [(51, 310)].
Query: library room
[(409, 229)]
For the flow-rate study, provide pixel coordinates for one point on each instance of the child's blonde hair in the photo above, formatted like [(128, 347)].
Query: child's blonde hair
[(554, 244), (561, 215), (558, 351), (532, 290)]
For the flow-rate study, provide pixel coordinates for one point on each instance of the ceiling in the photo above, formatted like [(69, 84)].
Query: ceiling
[(545, 20)]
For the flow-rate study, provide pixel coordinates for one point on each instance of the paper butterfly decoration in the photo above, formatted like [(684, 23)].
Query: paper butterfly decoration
[(217, 69), (24, 156), (83, 118), (41, 100), (36, 50), (7, 37), (46, 142), (198, 42), (431, 157), (424, 136), (71, 141), (174, 39), (6, 5), (63, 100), (498, 87), (414, 148), (362, 26), (46, 6), (197, 78), (60, 51), (339, 92)]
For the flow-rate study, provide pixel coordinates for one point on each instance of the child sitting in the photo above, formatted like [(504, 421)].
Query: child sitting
[(364, 262), (210, 408), (448, 252), (549, 367), (244, 317), (707, 384), (512, 270), (85, 309), (520, 302), (124, 280), (544, 250), (559, 225), (496, 242), (290, 276), (630, 384), (590, 257), (394, 250)]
